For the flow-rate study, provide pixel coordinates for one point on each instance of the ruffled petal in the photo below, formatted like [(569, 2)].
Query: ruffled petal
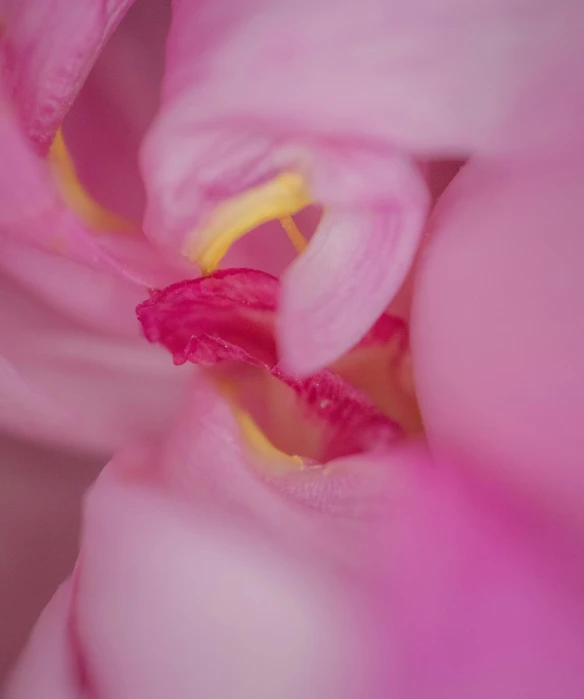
[(48, 48), (229, 316), (497, 327)]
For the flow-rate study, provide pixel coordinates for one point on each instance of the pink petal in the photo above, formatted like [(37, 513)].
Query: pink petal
[(333, 293), (47, 668), (95, 299), (67, 384), (325, 512), (261, 88), (178, 604), (497, 329), (105, 125), (484, 598), (434, 77), (48, 48)]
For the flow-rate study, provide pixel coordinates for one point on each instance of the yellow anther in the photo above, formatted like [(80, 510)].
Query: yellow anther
[(72, 191), (280, 198)]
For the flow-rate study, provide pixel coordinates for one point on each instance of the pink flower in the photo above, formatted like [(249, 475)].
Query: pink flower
[(269, 526)]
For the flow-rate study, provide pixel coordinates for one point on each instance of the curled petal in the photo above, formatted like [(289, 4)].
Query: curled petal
[(32, 211), (48, 48), (334, 292)]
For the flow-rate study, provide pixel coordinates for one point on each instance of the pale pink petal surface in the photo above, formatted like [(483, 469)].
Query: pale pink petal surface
[(485, 596), (498, 336), (471, 594), (67, 383), (170, 603), (48, 668)]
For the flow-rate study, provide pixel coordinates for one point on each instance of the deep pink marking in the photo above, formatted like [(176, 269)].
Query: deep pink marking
[(230, 316)]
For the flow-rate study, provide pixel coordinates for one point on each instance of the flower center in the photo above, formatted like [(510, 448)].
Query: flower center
[(225, 322)]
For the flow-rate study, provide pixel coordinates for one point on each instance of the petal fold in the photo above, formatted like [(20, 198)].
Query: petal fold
[(48, 47)]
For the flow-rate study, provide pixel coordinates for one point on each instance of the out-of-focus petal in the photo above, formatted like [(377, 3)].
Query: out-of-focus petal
[(40, 508), (47, 668), (435, 77), (324, 511), (484, 598), (96, 299), (497, 328), (48, 47), (67, 384), (178, 604)]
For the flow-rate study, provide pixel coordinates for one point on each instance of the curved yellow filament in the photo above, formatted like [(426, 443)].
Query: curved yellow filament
[(254, 438), (280, 198), (296, 237), (75, 196)]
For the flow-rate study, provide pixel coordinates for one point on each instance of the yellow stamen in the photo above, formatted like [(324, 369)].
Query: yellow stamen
[(254, 437), (296, 237), (72, 191), (260, 443), (280, 198)]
